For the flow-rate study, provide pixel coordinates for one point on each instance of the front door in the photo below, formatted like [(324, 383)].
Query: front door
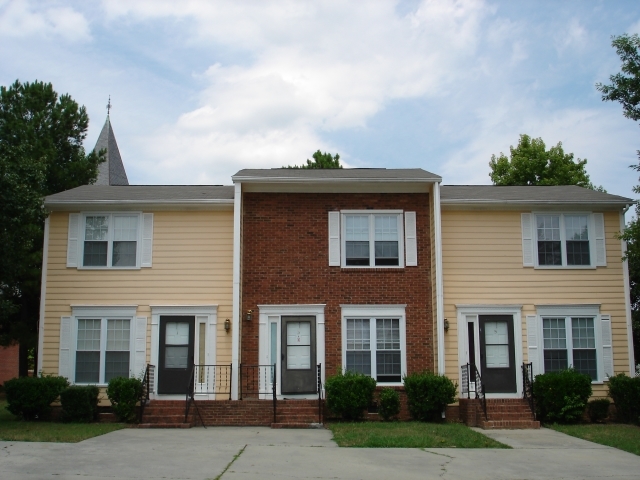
[(497, 354), (175, 358), (298, 373)]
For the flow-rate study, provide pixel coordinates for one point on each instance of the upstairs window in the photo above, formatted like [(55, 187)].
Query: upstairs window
[(372, 240), (110, 240), (563, 240)]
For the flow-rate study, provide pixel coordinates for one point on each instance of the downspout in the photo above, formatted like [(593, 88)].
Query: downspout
[(627, 295), (235, 330), (439, 286), (43, 292)]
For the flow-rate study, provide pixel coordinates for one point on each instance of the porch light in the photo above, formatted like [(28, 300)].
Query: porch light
[(249, 315), (446, 325), (227, 325)]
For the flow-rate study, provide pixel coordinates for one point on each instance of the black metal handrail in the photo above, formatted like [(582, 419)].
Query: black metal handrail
[(471, 375), (319, 393), (189, 399), (260, 380), (527, 386), (147, 384)]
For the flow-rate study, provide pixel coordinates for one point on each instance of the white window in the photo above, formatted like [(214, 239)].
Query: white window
[(374, 342), (103, 349), (577, 337), (563, 240), (369, 239), (110, 240)]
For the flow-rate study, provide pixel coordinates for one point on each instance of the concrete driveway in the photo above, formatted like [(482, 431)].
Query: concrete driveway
[(256, 453)]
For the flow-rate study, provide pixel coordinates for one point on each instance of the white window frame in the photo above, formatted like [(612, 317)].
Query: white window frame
[(103, 313), (371, 214), (563, 240), (110, 233), (371, 313), (568, 312)]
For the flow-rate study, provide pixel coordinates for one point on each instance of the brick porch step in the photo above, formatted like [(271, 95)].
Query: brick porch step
[(297, 425), (165, 425)]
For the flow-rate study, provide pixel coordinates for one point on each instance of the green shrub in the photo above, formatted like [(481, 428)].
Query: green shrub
[(30, 397), (349, 394), (428, 395), (561, 396), (124, 393), (625, 392), (598, 409), (80, 404), (388, 403)]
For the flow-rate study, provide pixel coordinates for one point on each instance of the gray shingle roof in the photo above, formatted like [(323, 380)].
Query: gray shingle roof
[(565, 194), (142, 194), (335, 175), (111, 171)]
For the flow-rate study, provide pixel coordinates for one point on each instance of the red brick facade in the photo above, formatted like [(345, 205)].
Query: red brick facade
[(9, 363), (285, 261)]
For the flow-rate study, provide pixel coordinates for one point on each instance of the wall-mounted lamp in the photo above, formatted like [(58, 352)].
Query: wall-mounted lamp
[(446, 325), (249, 315), (227, 325)]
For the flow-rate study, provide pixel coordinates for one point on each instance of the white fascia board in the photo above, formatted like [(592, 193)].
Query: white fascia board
[(43, 295), (73, 205), (437, 225), (236, 313)]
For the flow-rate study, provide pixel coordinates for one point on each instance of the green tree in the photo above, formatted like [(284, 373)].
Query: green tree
[(321, 160), (41, 153), (530, 163), (625, 88)]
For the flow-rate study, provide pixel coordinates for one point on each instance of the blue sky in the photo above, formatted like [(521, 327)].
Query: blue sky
[(201, 88)]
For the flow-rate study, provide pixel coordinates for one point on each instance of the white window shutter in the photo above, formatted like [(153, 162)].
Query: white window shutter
[(334, 239), (601, 252), (147, 240), (533, 344), (64, 358), (140, 346), (527, 239), (410, 240), (72, 240), (607, 346)]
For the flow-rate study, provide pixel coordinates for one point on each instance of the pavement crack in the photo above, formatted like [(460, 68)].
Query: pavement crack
[(443, 465), (235, 457)]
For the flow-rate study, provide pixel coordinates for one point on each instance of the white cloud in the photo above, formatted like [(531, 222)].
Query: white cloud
[(21, 18), (315, 67)]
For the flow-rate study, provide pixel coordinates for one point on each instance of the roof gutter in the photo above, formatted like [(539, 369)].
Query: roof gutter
[(332, 180)]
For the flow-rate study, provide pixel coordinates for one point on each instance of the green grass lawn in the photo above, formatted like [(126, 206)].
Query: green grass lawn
[(12, 429), (624, 437), (409, 435)]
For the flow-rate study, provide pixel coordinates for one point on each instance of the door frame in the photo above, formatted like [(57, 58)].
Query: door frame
[(467, 313), (207, 314), (272, 314)]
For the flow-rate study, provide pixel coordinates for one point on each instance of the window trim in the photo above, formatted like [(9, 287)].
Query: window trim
[(371, 214), (563, 240), (116, 312), (568, 312), (111, 215), (372, 312)]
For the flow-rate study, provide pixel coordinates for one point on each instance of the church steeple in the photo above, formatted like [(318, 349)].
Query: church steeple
[(111, 171)]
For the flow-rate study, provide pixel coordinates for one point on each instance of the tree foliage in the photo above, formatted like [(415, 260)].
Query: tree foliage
[(321, 160), (625, 85), (530, 163), (625, 88), (41, 153)]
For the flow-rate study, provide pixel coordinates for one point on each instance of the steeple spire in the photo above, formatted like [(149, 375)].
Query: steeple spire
[(111, 171)]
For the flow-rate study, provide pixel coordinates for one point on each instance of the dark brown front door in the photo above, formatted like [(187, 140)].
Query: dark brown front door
[(176, 353), (298, 355), (497, 354)]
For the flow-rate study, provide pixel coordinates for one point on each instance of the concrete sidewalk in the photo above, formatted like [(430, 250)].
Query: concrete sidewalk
[(307, 454)]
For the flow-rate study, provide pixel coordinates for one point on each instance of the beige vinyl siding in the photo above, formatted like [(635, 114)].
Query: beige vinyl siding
[(192, 265), (482, 264)]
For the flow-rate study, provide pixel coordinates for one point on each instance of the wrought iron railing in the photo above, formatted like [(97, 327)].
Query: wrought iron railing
[(527, 386), (472, 382), (319, 384), (258, 381), (147, 386), (212, 380)]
